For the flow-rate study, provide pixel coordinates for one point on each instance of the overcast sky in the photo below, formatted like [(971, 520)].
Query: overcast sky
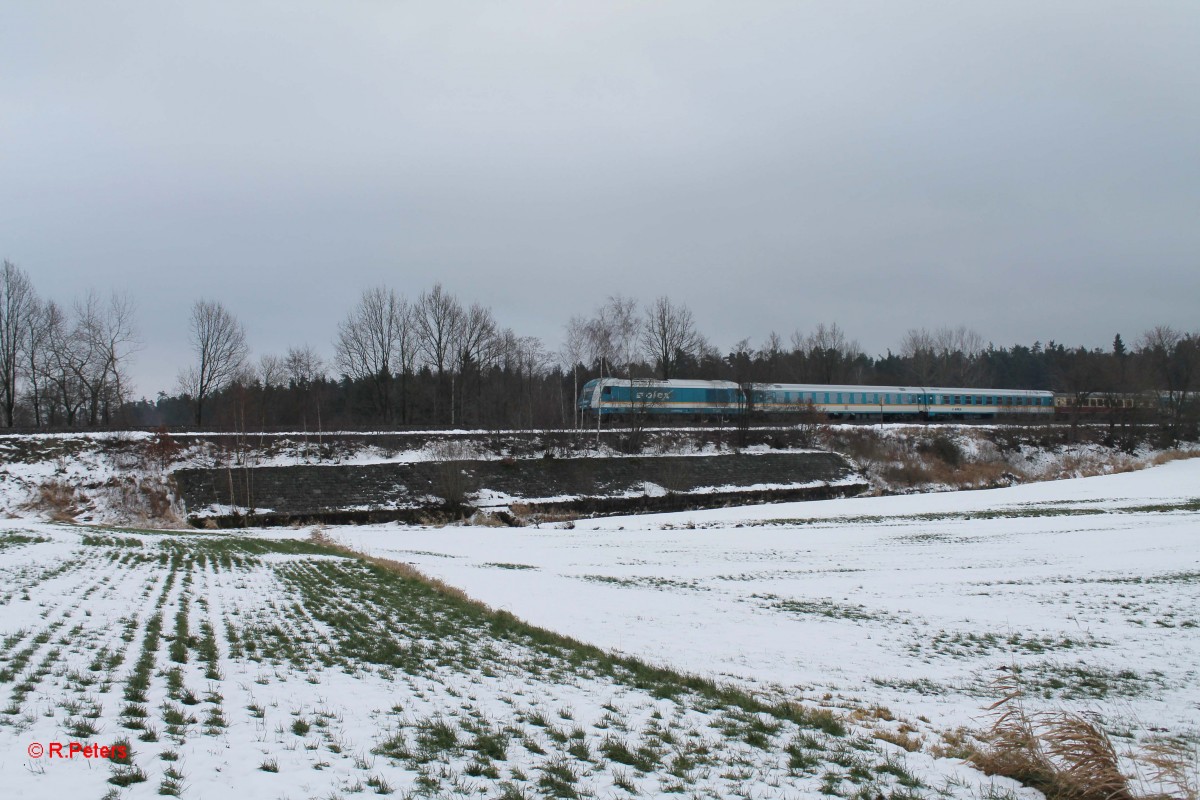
[(1031, 169)]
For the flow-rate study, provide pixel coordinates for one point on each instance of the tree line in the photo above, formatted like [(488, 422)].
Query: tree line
[(432, 359)]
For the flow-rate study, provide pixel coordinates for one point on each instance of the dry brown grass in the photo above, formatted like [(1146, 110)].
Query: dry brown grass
[(1173, 765), (909, 742), (960, 743), (524, 514), (57, 500), (1068, 756), (485, 519), (140, 501), (1168, 456)]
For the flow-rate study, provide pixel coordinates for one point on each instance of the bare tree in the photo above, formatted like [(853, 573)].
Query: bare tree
[(302, 366), (105, 339), (669, 334), (272, 371), (829, 352), (16, 305), (532, 362), (370, 343), (1174, 361), (476, 347), (219, 342), (575, 350), (620, 316), (438, 323), (35, 363), (946, 357), (918, 348), (65, 359), (958, 350), (771, 353)]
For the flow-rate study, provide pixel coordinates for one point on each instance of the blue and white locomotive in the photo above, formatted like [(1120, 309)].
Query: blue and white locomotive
[(621, 396)]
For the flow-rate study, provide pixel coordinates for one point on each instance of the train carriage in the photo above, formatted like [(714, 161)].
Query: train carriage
[(618, 396)]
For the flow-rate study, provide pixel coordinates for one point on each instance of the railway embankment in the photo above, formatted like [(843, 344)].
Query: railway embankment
[(160, 479)]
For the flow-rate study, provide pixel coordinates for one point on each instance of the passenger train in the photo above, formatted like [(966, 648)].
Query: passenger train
[(615, 397)]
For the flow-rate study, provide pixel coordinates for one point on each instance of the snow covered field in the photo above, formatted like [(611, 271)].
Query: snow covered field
[(269, 666), (1090, 586)]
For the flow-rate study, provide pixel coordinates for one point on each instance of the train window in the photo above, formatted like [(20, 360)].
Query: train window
[(607, 391), (827, 397)]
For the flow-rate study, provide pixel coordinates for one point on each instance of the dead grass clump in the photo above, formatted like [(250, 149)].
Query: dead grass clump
[(57, 500), (486, 519), (1086, 761), (975, 474), (908, 472), (909, 742), (1068, 756), (1172, 764), (1167, 456), (958, 743), (523, 514), (142, 501)]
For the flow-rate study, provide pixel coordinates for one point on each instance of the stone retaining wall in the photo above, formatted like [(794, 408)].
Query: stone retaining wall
[(583, 485)]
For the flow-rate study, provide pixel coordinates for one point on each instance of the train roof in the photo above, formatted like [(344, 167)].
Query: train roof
[(818, 387), (673, 383), (824, 387)]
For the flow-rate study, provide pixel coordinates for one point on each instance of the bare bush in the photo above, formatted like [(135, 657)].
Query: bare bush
[(144, 501), (57, 500), (162, 449), (452, 483), (811, 425), (942, 446)]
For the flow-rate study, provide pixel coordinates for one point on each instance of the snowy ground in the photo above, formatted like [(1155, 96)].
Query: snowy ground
[(264, 665), (275, 668), (1090, 586)]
